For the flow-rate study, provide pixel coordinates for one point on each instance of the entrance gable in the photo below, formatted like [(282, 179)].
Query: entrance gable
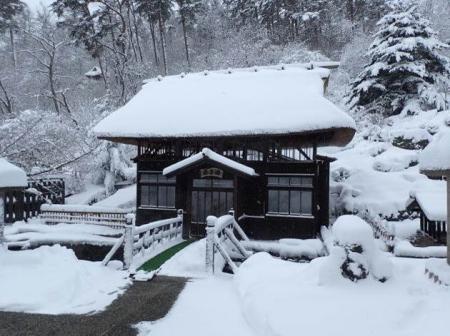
[(209, 156)]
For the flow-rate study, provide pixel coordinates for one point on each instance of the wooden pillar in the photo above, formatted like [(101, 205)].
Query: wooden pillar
[(448, 219), (2, 218), (210, 243)]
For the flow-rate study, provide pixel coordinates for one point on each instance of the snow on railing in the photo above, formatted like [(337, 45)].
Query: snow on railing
[(138, 239), (220, 237), (83, 214)]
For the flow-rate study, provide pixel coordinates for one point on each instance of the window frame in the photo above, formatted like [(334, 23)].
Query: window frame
[(290, 188), (159, 185)]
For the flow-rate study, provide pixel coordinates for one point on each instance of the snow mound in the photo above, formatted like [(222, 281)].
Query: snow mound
[(355, 255), (51, 280)]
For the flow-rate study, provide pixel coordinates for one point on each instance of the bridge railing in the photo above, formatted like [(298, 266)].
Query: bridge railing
[(136, 239), (221, 237)]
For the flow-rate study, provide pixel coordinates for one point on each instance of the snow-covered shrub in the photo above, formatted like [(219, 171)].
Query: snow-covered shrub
[(340, 174), (355, 255), (411, 138)]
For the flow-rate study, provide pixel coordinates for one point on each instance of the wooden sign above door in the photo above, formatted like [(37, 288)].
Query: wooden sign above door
[(211, 172)]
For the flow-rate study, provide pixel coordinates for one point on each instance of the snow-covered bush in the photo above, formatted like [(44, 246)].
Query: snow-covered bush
[(354, 255)]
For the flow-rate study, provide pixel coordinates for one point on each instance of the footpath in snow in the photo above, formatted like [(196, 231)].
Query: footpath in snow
[(271, 297)]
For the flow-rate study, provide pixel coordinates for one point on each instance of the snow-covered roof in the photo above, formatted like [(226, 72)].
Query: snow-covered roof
[(207, 153), (275, 100), (435, 158), (12, 176), (433, 202)]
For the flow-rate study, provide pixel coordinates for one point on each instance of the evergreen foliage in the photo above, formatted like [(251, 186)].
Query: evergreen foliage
[(405, 71)]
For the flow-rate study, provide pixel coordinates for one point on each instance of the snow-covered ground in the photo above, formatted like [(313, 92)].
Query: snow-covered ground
[(273, 297), (51, 280), (378, 172)]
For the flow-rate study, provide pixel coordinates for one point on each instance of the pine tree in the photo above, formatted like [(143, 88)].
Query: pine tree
[(188, 10), (405, 67)]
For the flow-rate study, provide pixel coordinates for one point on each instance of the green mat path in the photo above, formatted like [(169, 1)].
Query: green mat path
[(157, 261)]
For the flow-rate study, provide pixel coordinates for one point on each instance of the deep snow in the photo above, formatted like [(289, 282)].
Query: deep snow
[(271, 297), (51, 280)]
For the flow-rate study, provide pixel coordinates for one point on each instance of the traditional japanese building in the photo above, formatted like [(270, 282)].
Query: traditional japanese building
[(243, 139)]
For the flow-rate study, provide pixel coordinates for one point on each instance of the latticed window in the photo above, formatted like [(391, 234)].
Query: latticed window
[(290, 194), (157, 191)]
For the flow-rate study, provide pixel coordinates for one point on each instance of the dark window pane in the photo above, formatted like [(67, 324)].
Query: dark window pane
[(273, 201), (306, 205), (307, 181), (202, 183), (145, 195), (194, 206), (149, 178), (296, 181), (162, 196), (284, 201), (153, 196), (284, 181), (164, 180), (295, 202), (215, 204), (228, 184), (201, 207), (230, 200), (171, 197), (273, 180)]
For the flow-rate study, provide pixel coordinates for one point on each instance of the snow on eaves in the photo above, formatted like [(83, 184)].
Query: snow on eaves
[(213, 156), (12, 176), (436, 156), (252, 101)]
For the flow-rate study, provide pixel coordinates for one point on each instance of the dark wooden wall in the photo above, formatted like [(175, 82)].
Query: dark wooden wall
[(251, 199)]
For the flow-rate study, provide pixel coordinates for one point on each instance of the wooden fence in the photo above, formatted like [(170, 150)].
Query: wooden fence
[(21, 205), (80, 214)]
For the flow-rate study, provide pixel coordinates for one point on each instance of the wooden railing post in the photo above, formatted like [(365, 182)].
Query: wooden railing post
[(2, 221), (210, 239), (128, 242)]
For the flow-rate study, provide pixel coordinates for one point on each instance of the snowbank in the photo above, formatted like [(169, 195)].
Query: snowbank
[(404, 248), (12, 176), (123, 198), (285, 299), (288, 248), (51, 280)]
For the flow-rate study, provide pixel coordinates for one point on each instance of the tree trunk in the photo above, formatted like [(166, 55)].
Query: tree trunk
[(186, 45), (152, 32), (163, 43), (13, 48), (52, 84)]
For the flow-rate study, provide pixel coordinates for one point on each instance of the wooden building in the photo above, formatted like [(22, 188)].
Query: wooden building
[(12, 178), (435, 163), (244, 139), (430, 205)]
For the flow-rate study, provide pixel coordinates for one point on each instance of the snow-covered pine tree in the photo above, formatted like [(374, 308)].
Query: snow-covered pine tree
[(405, 68)]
